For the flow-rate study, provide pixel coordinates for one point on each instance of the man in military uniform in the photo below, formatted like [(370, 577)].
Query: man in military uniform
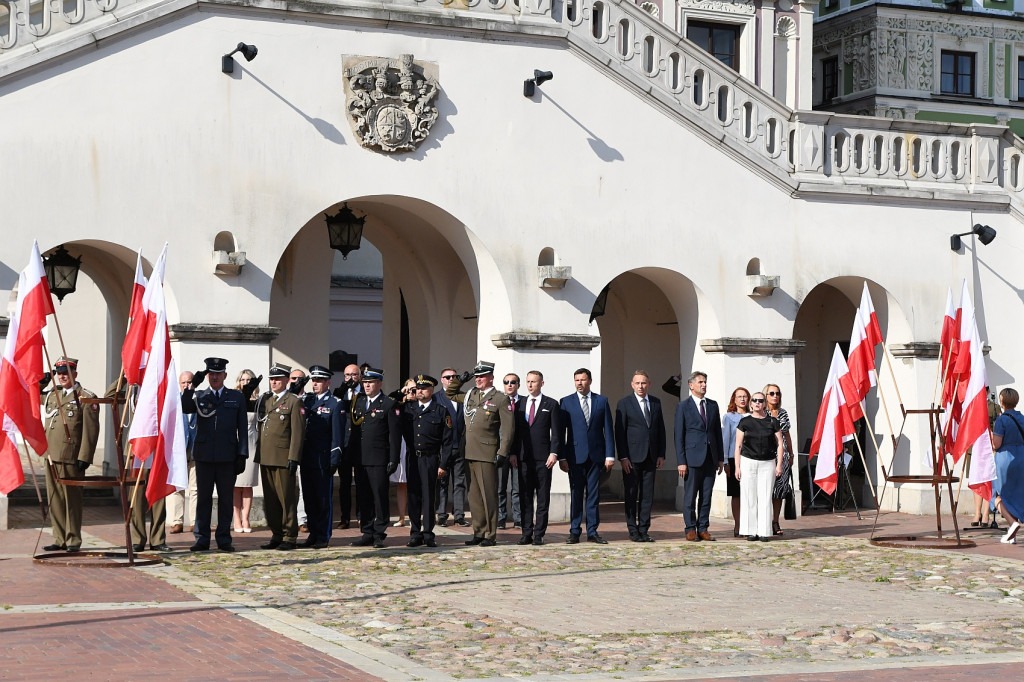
[(282, 420), (348, 393), (489, 433), (297, 380), (376, 417), (326, 431), (220, 449), (72, 429), (428, 433)]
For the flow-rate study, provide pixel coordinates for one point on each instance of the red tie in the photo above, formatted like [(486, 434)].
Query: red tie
[(533, 403)]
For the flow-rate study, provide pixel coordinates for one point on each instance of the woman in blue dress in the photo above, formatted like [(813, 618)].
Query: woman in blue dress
[(1008, 441)]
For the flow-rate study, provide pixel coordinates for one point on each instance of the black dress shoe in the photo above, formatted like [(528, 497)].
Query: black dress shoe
[(273, 544), (634, 537), (752, 538), (364, 541), (644, 537), (525, 540), (597, 538), (160, 548), (431, 543), (474, 541), (415, 542), (199, 548), (517, 525), (308, 542), (72, 550), (462, 522), (442, 521), (487, 542), (54, 548), (226, 548), (286, 546), (538, 540), (139, 548), (501, 525), (572, 539), (378, 543), (320, 545), (342, 524)]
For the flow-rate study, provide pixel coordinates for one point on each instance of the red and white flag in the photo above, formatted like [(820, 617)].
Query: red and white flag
[(157, 430), (861, 362), (21, 370), (834, 425), (133, 347), (136, 349), (952, 332), (866, 311), (971, 380), (958, 371)]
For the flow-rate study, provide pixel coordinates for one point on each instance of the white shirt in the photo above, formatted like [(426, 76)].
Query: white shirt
[(642, 401)]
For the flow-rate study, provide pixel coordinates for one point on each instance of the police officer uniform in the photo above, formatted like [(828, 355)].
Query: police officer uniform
[(220, 449), (282, 430), (489, 435), (71, 450), (326, 431), (429, 436), (377, 420)]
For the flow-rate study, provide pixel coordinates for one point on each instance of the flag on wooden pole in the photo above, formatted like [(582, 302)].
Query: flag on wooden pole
[(834, 425)]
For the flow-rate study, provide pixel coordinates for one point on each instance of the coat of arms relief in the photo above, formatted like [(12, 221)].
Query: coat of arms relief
[(390, 102)]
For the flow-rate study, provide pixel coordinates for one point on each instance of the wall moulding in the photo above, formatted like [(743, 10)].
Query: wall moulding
[(243, 333), (742, 346), (526, 341)]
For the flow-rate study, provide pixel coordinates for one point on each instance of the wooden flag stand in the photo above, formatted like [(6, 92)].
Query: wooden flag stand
[(940, 476)]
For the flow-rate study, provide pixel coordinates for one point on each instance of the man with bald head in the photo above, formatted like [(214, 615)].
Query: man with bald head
[(346, 394)]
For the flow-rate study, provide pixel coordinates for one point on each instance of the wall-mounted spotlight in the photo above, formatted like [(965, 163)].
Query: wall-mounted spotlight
[(227, 63), (530, 84), (985, 235)]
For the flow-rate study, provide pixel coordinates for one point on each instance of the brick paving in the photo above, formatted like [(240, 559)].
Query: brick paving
[(819, 603)]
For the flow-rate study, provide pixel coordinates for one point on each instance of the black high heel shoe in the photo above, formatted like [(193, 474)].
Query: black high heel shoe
[(776, 528)]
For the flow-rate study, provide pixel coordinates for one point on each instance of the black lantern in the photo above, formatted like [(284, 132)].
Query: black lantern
[(345, 230), (600, 304), (62, 272)]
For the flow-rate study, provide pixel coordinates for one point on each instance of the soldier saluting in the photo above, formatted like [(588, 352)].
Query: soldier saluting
[(375, 416), (428, 433), (72, 429), (282, 429)]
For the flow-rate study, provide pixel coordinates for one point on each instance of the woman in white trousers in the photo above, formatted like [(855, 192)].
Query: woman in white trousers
[(758, 459)]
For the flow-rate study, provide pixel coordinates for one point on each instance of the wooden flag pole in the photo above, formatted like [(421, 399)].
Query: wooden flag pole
[(35, 483), (864, 461), (885, 409), (885, 352)]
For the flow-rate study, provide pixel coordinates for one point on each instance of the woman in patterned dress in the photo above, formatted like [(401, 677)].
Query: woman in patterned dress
[(783, 485)]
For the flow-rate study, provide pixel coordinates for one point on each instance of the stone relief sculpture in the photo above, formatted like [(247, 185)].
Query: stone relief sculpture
[(897, 58), (862, 61), (919, 63), (390, 102)]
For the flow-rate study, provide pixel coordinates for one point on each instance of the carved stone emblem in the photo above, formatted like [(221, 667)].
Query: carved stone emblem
[(390, 101)]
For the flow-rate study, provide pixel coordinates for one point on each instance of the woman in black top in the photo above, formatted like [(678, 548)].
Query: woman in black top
[(758, 458)]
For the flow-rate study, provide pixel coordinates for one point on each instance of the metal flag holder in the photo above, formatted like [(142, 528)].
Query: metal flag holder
[(840, 498), (97, 558), (941, 476)]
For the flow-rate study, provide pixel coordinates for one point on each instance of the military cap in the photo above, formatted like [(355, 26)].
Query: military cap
[(320, 372), (425, 381), (65, 364), (216, 364), (279, 371), (371, 374), (483, 368)]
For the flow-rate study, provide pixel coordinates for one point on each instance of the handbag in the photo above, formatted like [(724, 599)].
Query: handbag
[(790, 503)]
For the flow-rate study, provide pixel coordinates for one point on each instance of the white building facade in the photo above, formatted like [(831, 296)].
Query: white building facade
[(733, 232)]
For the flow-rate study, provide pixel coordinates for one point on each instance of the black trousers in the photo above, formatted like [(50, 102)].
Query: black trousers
[(457, 479), (374, 503), (317, 484), (345, 468), (506, 472), (639, 488), (534, 479), (421, 473), (208, 475)]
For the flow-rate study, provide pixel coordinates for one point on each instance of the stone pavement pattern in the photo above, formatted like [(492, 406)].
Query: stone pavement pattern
[(813, 606)]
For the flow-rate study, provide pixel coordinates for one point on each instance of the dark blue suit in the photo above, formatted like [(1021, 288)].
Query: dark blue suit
[(699, 447), (457, 477), (326, 435), (643, 445), (586, 447)]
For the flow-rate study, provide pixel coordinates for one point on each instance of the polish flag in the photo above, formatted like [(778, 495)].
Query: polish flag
[(157, 430), (952, 323), (959, 371), (971, 381), (20, 372), (861, 362), (136, 349), (870, 320), (131, 351), (834, 425)]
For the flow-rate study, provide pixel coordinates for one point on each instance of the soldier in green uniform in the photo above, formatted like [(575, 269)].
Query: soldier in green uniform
[(71, 450), (489, 433), (282, 429)]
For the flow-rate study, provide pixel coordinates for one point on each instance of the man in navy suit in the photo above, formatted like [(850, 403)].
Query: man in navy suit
[(698, 454), (640, 440), (589, 445), (539, 433)]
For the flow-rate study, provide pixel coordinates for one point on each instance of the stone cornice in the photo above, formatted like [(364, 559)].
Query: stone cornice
[(5, 322), (530, 341), (223, 333), (923, 350), (741, 346)]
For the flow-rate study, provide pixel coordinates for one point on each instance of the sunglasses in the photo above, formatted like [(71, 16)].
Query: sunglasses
[(757, 400), (511, 382), (774, 393), (448, 377)]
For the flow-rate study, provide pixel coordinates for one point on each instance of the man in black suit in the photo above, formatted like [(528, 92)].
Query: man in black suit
[(539, 429), (698, 454), (376, 417), (457, 477), (506, 470), (640, 440), (351, 455)]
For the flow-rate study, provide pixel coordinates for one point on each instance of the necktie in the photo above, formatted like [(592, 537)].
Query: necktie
[(533, 404), (703, 414), (647, 412), (586, 408)]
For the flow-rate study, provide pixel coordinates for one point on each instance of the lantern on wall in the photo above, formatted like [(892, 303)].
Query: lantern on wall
[(62, 272), (345, 230)]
